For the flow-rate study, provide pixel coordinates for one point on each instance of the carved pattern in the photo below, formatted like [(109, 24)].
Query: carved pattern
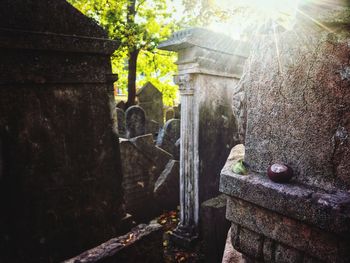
[(185, 83)]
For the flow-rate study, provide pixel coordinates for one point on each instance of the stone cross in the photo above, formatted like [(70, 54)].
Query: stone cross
[(135, 121)]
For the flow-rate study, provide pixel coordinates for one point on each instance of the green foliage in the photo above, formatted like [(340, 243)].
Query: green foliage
[(144, 30), (239, 168)]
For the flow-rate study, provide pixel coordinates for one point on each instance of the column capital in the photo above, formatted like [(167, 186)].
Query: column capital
[(185, 82)]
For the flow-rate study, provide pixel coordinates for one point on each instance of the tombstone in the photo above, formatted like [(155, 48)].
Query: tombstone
[(142, 163), (169, 114), (121, 122), (169, 135), (121, 105), (152, 127), (151, 100), (135, 121), (1, 161), (297, 113), (61, 190), (177, 112)]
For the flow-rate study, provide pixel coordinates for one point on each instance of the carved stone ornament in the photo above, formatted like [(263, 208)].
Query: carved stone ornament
[(185, 83)]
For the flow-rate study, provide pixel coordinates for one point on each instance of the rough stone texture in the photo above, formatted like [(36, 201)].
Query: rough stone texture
[(151, 100), (298, 101), (289, 222), (121, 122), (270, 229), (214, 227), (135, 119), (60, 189), (230, 254), (142, 163), (247, 242), (166, 188), (216, 128), (169, 135), (44, 19), (159, 157), (326, 210), (142, 244)]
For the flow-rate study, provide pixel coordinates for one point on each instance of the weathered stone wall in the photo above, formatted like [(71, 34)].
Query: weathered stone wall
[(60, 186), (298, 103), (217, 127)]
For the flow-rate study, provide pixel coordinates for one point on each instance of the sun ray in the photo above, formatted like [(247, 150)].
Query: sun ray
[(315, 21)]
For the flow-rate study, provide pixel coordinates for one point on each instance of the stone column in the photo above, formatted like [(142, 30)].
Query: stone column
[(187, 229), (209, 65)]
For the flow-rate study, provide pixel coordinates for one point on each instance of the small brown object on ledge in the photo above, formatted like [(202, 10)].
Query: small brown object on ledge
[(280, 173)]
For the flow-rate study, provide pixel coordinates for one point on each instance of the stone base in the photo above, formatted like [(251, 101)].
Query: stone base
[(214, 227), (185, 237), (286, 222)]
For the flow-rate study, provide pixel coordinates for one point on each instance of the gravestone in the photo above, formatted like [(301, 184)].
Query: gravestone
[(142, 163), (177, 112), (152, 127), (121, 105), (169, 114), (135, 121), (166, 188), (1, 160), (169, 135), (297, 113), (151, 100), (60, 191), (121, 122)]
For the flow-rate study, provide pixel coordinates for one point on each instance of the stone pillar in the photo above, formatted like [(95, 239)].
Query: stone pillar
[(210, 66), (187, 229)]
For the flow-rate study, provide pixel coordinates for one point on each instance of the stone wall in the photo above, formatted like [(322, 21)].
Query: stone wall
[(60, 183), (217, 127)]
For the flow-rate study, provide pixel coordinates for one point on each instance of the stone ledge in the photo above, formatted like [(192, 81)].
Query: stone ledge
[(207, 39), (19, 39), (328, 211)]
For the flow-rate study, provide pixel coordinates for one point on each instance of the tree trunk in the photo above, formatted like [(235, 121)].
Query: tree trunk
[(133, 54), (132, 77)]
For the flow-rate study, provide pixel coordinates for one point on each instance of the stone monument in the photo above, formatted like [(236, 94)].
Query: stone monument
[(60, 186), (151, 100), (298, 113), (209, 70)]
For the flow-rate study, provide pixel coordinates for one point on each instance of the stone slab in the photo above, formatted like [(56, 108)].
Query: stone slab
[(328, 211), (274, 228), (142, 244), (214, 227)]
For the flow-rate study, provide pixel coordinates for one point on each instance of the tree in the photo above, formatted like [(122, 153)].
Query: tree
[(139, 26)]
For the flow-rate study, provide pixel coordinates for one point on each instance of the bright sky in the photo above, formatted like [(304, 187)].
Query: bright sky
[(283, 10)]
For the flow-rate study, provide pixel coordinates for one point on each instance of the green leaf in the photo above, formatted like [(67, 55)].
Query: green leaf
[(239, 168)]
